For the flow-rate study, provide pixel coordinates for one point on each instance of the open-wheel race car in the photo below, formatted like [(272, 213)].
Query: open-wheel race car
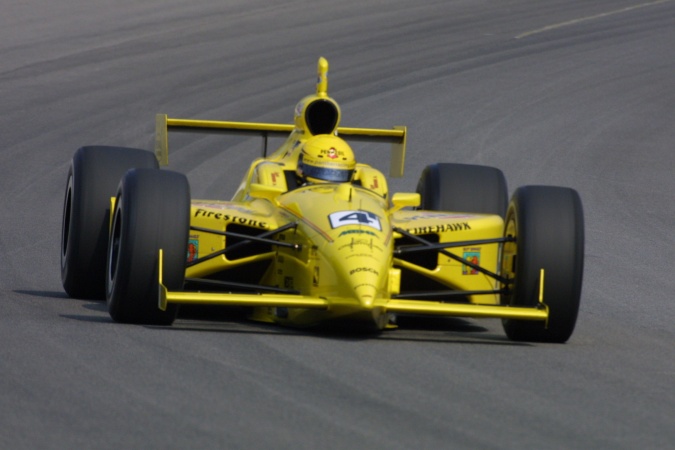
[(313, 237)]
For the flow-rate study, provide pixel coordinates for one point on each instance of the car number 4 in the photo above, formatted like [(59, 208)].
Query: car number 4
[(342, 218)]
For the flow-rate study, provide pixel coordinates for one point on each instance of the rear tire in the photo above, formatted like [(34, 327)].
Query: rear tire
[(93, 177), (548, 225), (463, 188), (152, 212)]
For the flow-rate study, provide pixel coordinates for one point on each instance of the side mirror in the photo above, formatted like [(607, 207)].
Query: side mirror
[(402, 199)]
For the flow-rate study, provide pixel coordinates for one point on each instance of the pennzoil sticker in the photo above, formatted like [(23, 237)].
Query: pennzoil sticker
[(193, 249), (473, 256), (365, 218)]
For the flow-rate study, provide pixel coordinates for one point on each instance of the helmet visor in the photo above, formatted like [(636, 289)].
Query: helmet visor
[(327, 174)]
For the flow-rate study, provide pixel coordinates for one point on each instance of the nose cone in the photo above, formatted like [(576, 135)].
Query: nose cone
[(365, 294), (365, 281)]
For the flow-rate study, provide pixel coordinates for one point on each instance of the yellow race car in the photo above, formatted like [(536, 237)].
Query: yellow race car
[(311, 236)]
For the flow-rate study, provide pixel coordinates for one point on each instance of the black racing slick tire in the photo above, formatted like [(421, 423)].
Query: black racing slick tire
[(463, 188), (548, 226), (93, 177), (152, 212)]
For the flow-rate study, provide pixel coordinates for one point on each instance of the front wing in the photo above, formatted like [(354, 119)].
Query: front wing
[(398, 305)]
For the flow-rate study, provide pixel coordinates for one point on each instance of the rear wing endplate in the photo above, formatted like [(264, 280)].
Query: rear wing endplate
[(396, 136)]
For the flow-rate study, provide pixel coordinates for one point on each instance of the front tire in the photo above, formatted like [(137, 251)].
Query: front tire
[(93, 177), (548, 225), (463, 188), (152, 212)]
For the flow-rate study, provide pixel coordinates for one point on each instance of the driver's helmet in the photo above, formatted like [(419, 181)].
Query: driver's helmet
[(326, 158)]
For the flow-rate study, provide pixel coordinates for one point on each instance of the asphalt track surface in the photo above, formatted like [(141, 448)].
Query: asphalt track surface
[(563, 92)]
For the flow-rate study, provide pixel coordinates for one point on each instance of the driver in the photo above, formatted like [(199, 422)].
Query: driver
[(326, 158)]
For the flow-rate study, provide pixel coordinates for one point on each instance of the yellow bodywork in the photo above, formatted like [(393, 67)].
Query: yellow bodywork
[(339, 257), (309, 254)]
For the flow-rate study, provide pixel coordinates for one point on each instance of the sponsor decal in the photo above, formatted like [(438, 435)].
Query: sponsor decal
[(229, 218), (357, 232), (375, 184), (473, 256), (442, 228), (193, 249), (275, 175), (361, 243), (364, 269), (363, 255), (331, 153), (365, 218)]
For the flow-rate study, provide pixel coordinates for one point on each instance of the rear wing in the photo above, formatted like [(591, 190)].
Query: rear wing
[(396, 136)]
